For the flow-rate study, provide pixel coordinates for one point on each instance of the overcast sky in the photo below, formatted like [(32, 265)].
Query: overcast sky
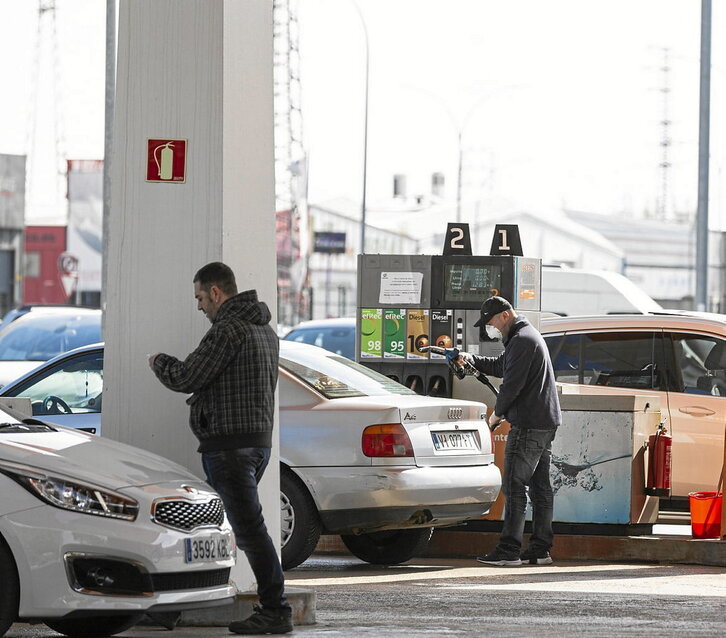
[(557, 102)]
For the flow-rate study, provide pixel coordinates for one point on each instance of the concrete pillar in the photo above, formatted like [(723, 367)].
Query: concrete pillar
[(199, 71)]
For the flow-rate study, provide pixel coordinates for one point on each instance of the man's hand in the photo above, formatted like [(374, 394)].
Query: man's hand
[(494, 422), (151, 358), (463, 359)]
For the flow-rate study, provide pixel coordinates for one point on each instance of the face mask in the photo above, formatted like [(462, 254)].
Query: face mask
[(492, 332)]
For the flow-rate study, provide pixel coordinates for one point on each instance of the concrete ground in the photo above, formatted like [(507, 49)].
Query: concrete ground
[(459, 597)]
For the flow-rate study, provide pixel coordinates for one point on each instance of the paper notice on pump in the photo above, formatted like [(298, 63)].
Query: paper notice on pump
[(400, 288)]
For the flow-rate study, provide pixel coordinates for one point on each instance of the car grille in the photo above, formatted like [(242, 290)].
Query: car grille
[(187, 515), (190, 580)]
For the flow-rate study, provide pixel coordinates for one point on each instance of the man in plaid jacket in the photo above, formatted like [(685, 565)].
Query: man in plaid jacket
[(232, 376)]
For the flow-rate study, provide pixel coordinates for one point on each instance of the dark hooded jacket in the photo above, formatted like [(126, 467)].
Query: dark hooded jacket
[(528, 394), (232, 375)]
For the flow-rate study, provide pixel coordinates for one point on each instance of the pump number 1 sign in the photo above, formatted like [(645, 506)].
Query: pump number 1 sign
[(166, 161)]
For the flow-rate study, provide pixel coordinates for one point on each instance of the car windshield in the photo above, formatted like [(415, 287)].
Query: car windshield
[(337, 378), (78, 382), (45, 337)]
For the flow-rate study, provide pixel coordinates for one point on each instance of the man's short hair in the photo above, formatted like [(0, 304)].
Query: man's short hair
[(216, 274)]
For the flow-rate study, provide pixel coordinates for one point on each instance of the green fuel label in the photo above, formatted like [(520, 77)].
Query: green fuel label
[(371, 333), (394, 333)]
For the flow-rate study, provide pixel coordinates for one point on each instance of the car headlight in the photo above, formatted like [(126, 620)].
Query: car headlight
[(78, 497)]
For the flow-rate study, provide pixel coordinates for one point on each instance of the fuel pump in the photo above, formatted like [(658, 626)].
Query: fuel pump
[(413, 308)]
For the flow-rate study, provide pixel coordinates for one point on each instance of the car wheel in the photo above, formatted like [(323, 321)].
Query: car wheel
[(300, 523), (10, 588), (389, 547), (95, 627)]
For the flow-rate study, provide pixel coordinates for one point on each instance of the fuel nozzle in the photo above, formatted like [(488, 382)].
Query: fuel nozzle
[(460, 371), (451, 355)]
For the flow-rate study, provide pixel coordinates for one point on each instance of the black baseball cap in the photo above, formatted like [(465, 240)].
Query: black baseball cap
[(490, 307)]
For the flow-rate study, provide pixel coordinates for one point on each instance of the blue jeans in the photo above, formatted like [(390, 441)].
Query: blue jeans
[(234, 474), (527, 464)]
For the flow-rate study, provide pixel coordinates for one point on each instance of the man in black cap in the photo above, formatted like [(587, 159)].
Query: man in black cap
[(528, 400)]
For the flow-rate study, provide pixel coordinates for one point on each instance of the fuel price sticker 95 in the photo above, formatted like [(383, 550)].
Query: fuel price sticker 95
[(208, 548)]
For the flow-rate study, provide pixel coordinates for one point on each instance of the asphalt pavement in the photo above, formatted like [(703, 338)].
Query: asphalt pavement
[(459, 597)]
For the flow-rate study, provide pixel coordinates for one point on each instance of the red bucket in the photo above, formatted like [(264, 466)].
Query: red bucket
[(706, 514)]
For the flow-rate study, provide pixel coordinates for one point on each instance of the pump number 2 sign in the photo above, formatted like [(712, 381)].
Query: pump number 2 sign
[(166, 161)]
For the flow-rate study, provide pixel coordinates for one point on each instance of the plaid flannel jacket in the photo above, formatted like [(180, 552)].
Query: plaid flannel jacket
[(232, 375)]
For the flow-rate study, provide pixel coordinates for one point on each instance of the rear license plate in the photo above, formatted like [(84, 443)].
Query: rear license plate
[(207, 549), (454, 441)]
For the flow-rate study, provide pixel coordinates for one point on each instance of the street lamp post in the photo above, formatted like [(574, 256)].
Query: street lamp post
[(365, 135), (459, 127), (458, 177), (703, 160)]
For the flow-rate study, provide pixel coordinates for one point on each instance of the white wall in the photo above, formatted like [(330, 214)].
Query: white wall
[(199, 70)]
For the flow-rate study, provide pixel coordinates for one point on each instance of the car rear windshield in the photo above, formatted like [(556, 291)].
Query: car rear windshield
[(338, 378)]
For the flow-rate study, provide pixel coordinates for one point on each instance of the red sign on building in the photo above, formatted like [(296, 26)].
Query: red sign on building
[(166, 161)]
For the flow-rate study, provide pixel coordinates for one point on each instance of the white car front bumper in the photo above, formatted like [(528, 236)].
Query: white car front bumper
[(146, 560)]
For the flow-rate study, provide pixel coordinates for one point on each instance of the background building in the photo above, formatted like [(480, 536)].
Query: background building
[(12, 223), (660, 257), (332, 277), (42, 283)]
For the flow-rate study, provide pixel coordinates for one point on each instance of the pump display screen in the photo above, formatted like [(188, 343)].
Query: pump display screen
[(470, 282)]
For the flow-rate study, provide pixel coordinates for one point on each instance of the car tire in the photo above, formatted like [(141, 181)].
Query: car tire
[(389, 547), (10, 588), (300, 522), (93, 627)]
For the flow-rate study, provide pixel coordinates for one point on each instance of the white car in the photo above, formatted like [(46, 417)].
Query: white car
[(365, 457), (95, 533), (360, 455)]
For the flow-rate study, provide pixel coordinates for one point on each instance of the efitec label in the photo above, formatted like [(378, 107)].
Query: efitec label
[(394, 333), (371, 333)]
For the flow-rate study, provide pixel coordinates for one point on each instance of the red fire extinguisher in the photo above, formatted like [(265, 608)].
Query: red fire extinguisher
[(659, 462)]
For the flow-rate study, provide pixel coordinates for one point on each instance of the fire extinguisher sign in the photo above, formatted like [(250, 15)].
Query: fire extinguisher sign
[(166, 161)]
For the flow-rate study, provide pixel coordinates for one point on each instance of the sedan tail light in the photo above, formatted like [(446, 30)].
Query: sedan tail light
[(389, 439)]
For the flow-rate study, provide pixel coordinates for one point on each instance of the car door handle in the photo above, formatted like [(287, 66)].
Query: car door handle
[(696, 411)]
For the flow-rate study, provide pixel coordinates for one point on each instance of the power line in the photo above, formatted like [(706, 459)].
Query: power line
[(665, 141), (46, 76)]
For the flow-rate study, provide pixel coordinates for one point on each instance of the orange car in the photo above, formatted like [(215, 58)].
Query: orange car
[(679, 356)]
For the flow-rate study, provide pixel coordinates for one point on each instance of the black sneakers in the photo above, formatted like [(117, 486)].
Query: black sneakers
[(531, 556), (500, 559), (535, 556), (262, 621)]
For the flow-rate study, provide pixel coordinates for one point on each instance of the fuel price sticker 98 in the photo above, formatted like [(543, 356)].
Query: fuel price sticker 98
[(208, 548)]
